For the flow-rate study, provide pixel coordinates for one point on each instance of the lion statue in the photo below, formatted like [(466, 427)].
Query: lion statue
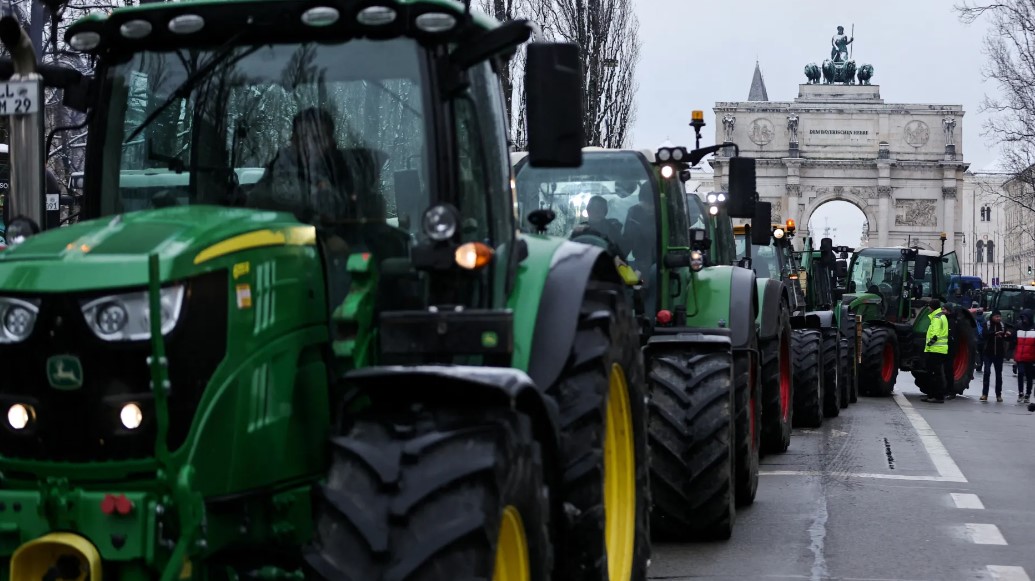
[(865, 74), (812, 72), (845, 73)]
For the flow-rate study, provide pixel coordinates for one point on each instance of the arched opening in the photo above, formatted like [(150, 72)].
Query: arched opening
[(841, 221)]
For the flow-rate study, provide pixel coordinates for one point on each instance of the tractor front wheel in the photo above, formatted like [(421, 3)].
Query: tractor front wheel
[(777, 391), (831, 361), (746, 374), (879, 370), (692, 444), (963, 360), (603, 462), (808, 375), (433, 495)]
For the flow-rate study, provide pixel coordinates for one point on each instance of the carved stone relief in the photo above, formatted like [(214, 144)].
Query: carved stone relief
[(793, 190), (916, 213), (916, 133), (777, 210), (949, 192), (883, 191), (761, 131)]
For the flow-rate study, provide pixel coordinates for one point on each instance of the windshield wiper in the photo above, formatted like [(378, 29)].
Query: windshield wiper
[(191, 81)]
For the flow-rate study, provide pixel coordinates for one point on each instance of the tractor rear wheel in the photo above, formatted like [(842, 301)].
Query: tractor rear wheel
[(603, 458), (434, 496), (748, 396), (850, 373), (692, 444), (831, 361), (879, 370), (808, 375), (777, 391), (963, 359)]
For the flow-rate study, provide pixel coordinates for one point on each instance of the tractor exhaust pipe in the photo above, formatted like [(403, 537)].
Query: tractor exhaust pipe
[(25, 198)]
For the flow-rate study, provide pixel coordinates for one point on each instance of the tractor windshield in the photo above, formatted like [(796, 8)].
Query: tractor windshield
[(610, 197), (330, 132), (871, 274)]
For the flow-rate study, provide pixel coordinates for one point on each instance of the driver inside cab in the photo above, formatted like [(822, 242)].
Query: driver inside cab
[(598, 223)]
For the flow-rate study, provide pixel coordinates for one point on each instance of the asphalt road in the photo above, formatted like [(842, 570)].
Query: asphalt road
[(892, 489)]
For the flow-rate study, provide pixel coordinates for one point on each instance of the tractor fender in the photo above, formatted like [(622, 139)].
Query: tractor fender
[(472, 385), (722, 296), (713, 338), (826, 318), (806, 321), (772, 297), (572, 266)]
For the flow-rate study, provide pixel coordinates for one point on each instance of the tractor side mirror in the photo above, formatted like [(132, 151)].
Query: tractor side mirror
[(742, 191), (826, 245), (553, 89), (761, 230), (841, 268)]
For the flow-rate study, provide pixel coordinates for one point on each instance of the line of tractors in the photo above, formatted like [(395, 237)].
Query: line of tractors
[(466, 363)]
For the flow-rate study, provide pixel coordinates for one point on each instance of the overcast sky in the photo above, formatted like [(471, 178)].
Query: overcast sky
[(695, 53)]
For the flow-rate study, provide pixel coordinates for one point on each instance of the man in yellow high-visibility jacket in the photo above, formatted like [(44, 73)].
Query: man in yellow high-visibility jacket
[(936, 352)]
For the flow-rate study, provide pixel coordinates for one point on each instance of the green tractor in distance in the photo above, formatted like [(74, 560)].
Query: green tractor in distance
[(890, 288), (814, 351), (822, 269), (698, 339), (220, 377), (772, 321)]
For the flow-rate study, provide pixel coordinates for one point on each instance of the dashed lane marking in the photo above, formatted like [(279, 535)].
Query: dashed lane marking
[(1007, 573), (984, 534), (966, 500)]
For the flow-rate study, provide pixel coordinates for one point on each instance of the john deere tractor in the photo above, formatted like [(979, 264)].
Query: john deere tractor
[(890, 289), (299, 336), (814, 336), (696, 317)]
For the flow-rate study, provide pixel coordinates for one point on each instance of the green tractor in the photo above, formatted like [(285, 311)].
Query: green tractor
[(890, 290), (822, 268), (814, 336), (699, 343), (360, 370)]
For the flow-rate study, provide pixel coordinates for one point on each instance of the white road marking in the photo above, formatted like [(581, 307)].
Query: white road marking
[(984, 534), (1007, 573), (966, 500), (943, 462), (818, 535), (918, 477)]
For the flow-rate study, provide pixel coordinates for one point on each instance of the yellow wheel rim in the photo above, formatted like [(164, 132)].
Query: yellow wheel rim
[(512, 549), (619, 480)]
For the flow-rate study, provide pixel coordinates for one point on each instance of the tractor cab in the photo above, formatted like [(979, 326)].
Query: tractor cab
[(776, 259), (1011, 300), (904, 279)]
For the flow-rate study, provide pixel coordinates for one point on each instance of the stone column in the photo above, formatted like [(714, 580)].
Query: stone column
[(793, 195), (949, 217), (883, 212)]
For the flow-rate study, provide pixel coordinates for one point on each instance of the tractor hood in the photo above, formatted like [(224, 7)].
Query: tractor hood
[(113, 252)]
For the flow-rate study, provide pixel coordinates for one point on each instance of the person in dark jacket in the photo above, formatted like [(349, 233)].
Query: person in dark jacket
[(996, 337), (1024, 355)]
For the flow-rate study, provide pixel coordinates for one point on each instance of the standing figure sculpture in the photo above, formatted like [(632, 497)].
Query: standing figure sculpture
[(792, 127), (728, 121), (839, 45), (949, 125)]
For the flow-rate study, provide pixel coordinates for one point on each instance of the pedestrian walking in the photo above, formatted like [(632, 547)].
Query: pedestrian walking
[(1024, 355), (996, 338), (936, 352)]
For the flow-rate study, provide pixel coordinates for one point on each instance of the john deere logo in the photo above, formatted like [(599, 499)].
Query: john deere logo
[(64, 372)]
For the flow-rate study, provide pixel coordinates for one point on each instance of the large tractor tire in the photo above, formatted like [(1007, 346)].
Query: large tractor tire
[(808, 375), (692, 444), (879, 370), (963, 360), (777, 391), (831, 362), (435, 496), (748, 396), (603, 458), (850, 374)]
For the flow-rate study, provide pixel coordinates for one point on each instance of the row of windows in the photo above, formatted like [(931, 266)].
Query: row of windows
[(980, 247)]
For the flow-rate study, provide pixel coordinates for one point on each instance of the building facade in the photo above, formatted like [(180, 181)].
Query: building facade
[(900, 164), (984, 223), (1019, 231)]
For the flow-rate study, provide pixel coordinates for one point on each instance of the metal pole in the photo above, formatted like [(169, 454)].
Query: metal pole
[(26, 135)]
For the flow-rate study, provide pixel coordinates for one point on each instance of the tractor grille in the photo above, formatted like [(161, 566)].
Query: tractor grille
[(83, 425)]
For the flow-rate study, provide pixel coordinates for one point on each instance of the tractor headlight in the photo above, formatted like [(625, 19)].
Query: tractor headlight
[(778, 233), (667, 171), (713, 210), (440, 222), (696, 260), (18, 318), (712, 198), (20, 415), (131, 416), (19, 230), (126, 317)]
